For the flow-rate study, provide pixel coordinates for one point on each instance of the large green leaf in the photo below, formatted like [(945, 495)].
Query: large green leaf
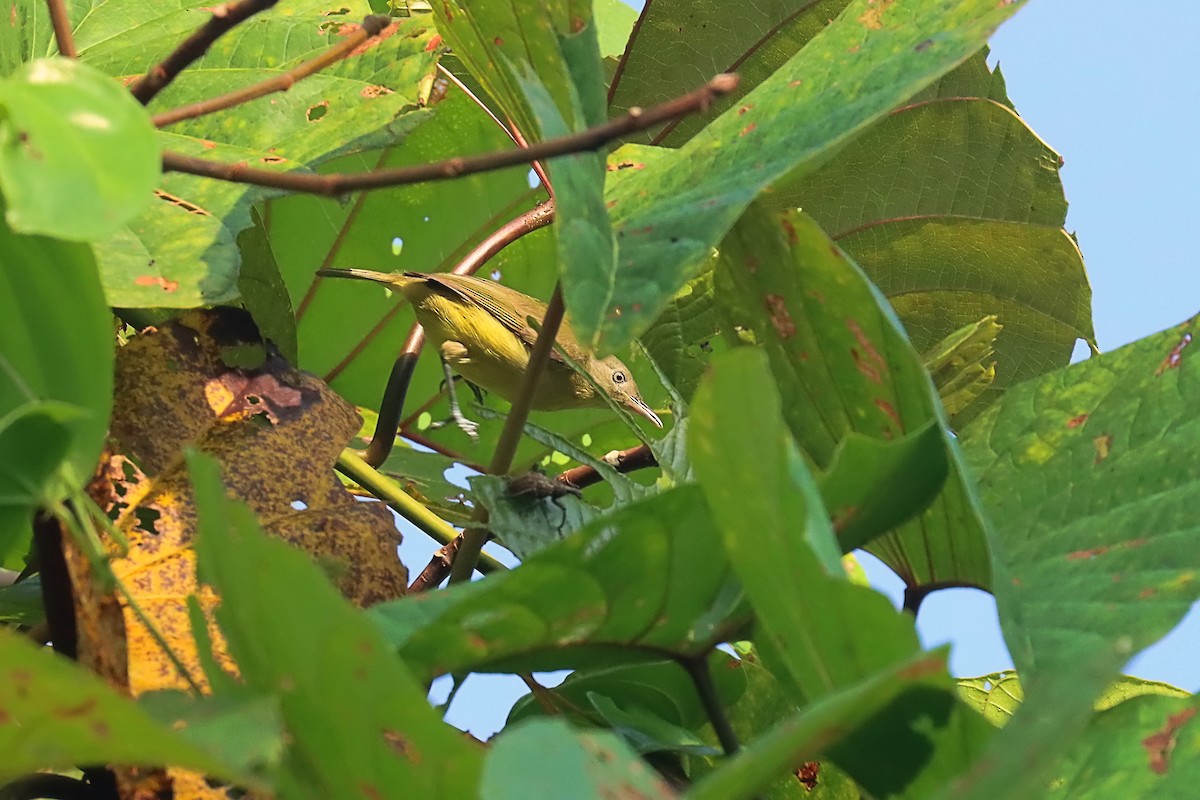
[(58, 715), (658, 694), (78, 157), (1147, 747), (846, 370), (650, 576), (670, 215), (56, 365), (828, 632), (1088, 476), (295, 638), (182, 251), (955, 209), (679, 43), (546, 758), (542, 66)]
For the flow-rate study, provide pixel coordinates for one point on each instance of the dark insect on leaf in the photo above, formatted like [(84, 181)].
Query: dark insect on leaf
[(539, 487)]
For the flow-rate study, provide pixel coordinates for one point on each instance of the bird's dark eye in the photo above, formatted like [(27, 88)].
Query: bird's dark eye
[(618, 377)]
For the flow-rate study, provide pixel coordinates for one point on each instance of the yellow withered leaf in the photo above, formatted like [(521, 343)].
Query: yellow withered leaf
[(277, 434)]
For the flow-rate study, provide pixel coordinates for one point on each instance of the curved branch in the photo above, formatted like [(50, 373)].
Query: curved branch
[(224, 17), (337, 184), (371, 27)]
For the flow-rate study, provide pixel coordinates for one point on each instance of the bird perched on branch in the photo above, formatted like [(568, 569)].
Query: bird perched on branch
[(482, 333)]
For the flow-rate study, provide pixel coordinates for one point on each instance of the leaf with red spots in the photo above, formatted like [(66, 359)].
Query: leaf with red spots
[(857, 397), (355, 716), (56, 715), (695, 194), (1094, 529), (955, 209)]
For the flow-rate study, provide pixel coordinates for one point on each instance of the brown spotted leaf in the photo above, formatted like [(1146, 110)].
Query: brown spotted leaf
[(276, 434), (1089, 475), (849, 378)]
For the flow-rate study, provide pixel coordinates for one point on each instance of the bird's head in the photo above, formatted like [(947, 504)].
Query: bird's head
[(617, 382)]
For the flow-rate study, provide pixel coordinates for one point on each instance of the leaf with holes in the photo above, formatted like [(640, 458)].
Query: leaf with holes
[(670, 215), (276, 433), (181, 252), (844, 366), (649, 576)]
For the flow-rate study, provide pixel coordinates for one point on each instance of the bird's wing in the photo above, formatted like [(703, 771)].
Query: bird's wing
[(507, 305)]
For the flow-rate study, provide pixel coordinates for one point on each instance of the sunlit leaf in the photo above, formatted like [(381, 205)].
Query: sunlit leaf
[(78, 156)]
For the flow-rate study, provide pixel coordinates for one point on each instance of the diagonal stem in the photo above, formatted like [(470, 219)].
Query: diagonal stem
[(371, 27), (224, 18), (698, 670), (336, 184), (62, 28)]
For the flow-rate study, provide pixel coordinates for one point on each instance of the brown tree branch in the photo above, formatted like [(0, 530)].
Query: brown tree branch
[(62, 28), (334, 185), (224, 17), (371, 26), (634, 458), (438, 567)]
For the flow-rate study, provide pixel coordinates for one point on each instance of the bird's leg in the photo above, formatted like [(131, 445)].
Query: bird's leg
[(450, 350)]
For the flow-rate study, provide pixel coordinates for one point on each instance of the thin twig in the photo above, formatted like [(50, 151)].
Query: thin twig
[(698, 670), (371, 27), (393, 398), (224, 17), (336, 184), (514, 425), (438, 567), (62, 28), (623, 461)]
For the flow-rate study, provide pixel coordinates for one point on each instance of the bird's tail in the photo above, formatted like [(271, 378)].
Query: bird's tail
[(392, 278)]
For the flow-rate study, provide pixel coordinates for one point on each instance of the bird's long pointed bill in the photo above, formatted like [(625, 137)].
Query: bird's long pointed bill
[(638, 405)]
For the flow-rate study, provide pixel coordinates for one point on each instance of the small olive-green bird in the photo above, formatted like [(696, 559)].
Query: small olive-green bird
[(482, 334)]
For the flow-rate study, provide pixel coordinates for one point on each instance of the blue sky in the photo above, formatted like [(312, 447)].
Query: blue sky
[(1111, 89)]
